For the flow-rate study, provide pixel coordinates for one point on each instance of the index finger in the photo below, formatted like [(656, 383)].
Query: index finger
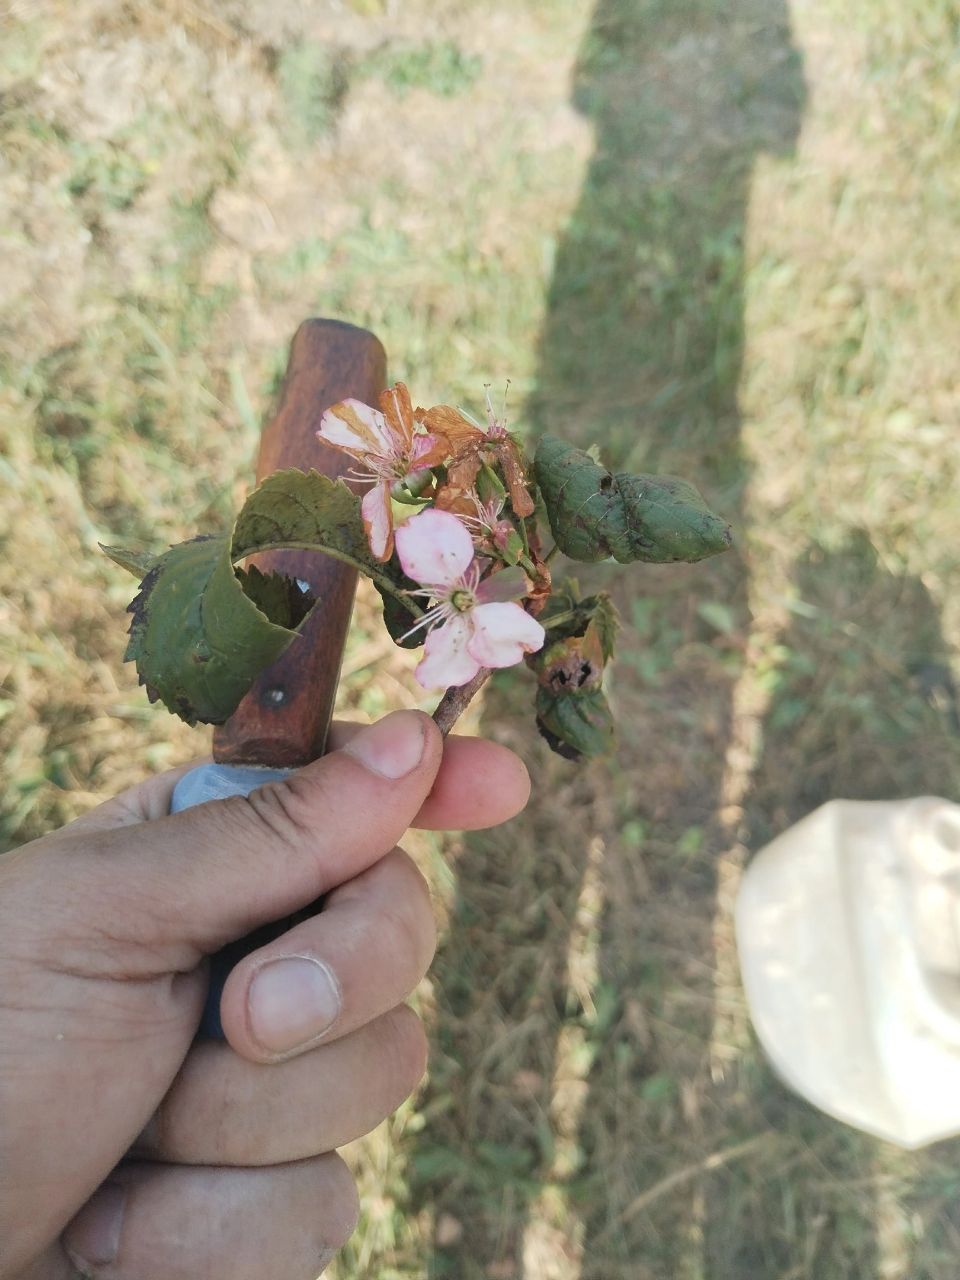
[(479, 784)]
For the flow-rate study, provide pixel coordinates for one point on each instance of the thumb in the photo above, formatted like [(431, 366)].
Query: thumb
[(186, 884)]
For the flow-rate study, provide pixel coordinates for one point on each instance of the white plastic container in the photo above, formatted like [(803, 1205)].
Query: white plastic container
[(848, 931)]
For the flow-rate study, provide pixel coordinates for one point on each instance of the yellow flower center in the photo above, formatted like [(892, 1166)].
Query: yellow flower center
[(463, 599)]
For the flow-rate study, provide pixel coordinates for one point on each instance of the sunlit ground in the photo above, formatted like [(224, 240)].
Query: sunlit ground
[(721, 238)]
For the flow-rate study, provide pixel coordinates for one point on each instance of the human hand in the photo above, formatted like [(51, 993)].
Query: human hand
[(129, 1152)]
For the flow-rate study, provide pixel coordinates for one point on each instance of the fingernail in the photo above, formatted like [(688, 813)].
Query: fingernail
[(291, 1002), (93, 1237), (392, 747)]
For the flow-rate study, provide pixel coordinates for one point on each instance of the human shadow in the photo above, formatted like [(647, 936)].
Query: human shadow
[(574, 992), (864, 694), (863, 707)]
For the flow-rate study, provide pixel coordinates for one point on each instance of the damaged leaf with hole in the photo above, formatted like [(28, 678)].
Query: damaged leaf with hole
[(572, 712)]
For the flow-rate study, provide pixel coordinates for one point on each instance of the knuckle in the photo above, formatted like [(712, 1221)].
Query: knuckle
[(288, 808)]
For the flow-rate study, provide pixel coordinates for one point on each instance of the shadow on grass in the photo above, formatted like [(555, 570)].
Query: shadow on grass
[(577, 1082), (864, 694), (865, 708)]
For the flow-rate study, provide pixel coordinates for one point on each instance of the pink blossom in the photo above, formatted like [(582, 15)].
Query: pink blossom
[(468, 627), (488, 529), (389, 446)]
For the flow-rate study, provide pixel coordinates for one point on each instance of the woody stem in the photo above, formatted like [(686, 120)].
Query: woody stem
[(456, 700)]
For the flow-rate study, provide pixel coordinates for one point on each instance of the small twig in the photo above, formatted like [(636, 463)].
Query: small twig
[(456, 700), (551, 553), (560, 619)]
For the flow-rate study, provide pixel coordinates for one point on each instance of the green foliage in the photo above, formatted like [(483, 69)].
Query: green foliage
[(192, 597), (398, 616), (202, 630), (595, 514), (197, 639), (567, 614), (305, 509), (302, 508), (572, 712), (575, 723), (139, 563)]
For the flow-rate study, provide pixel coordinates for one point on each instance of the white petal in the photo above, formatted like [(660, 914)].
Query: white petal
[(435, 548), (378, 520), (446, 660), (353, 425), (502, 634)]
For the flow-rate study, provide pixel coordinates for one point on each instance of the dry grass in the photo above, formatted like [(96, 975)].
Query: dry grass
[(721, 240)]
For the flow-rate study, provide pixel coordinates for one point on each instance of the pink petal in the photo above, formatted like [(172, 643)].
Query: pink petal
[(378, 520), (353, 425), (446, 659), (434, 548), (502, 634), (508, 584)]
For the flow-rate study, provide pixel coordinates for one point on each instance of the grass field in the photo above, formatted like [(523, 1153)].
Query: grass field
[(719, 237)]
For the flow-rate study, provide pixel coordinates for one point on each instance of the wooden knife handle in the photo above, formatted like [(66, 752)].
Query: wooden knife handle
[(284, 718)]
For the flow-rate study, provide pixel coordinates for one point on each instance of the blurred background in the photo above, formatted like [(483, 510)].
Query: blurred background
[(720, 239)]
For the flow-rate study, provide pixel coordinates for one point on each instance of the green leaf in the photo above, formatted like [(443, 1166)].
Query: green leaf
[(607, 622), (139, 563), (512, 549), (490, 487), (575, 724), (198, 640), (595, 514), (568, 615), (399, 612), (301, 508), (309, 510), (305, 509), (202, 630), (572, 712)]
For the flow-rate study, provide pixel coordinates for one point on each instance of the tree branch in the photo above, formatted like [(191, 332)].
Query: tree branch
[(456, 700)]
